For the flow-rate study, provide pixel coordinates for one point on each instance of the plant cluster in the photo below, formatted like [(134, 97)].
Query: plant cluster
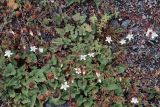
[(56, 56)]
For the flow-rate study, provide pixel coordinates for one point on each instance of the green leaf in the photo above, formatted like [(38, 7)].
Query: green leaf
[(65, 96), (119, 91), (33, 57), (38, 104), (118, 104), (87, 27), (93, 19), (2, 62), (25, 91), (56, 101), (75, 92), (58, 41), (18, 97), (95, 90), (121, 68), (103, 60), (57, 19), (45, 69), (11, 82), (80, 100), (69, 27), (78, 17), (40, 77), (69, 2), (12, 94), (60, 31), (97, 2), (88, 103), (46, 21), (33, 100), (105, 18), (82, 84), (53, 61), (112, 87), (25, 100), (74, 35), (10, 70)]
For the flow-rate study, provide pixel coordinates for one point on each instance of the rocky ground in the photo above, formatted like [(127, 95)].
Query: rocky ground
[(143, 54)]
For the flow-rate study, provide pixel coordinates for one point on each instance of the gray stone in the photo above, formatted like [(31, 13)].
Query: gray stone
[(47, 104), (125, 23), (115, 23)]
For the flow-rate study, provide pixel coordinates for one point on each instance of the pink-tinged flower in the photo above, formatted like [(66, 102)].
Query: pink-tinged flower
[(149, 31), (31, 33), (11, 31), (98, 74), (83, 72)]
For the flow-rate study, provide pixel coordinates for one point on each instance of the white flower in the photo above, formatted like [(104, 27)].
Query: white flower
[(120, 19), (11, 31), (120, 79), (24, 47), (129, 36), (91, 54), (56, 78), (78, 70), (61, 65), (83, 57), (40, 50), (134, 100), (154, 35), (39, 33), (31, 33), (72, 81), (108, 39), (98, 74), (33, 48), (84, 72), (8, 53), (123, 41), (52, 1), (151, 33), (64, 86), (99, 80)]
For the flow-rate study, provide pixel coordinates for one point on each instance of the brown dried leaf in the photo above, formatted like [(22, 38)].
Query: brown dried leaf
[(12, 4), (157, 74), (28, 6)]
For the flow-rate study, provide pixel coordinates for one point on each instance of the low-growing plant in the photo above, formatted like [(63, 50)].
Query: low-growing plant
[(75, 67), (31, 78)]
